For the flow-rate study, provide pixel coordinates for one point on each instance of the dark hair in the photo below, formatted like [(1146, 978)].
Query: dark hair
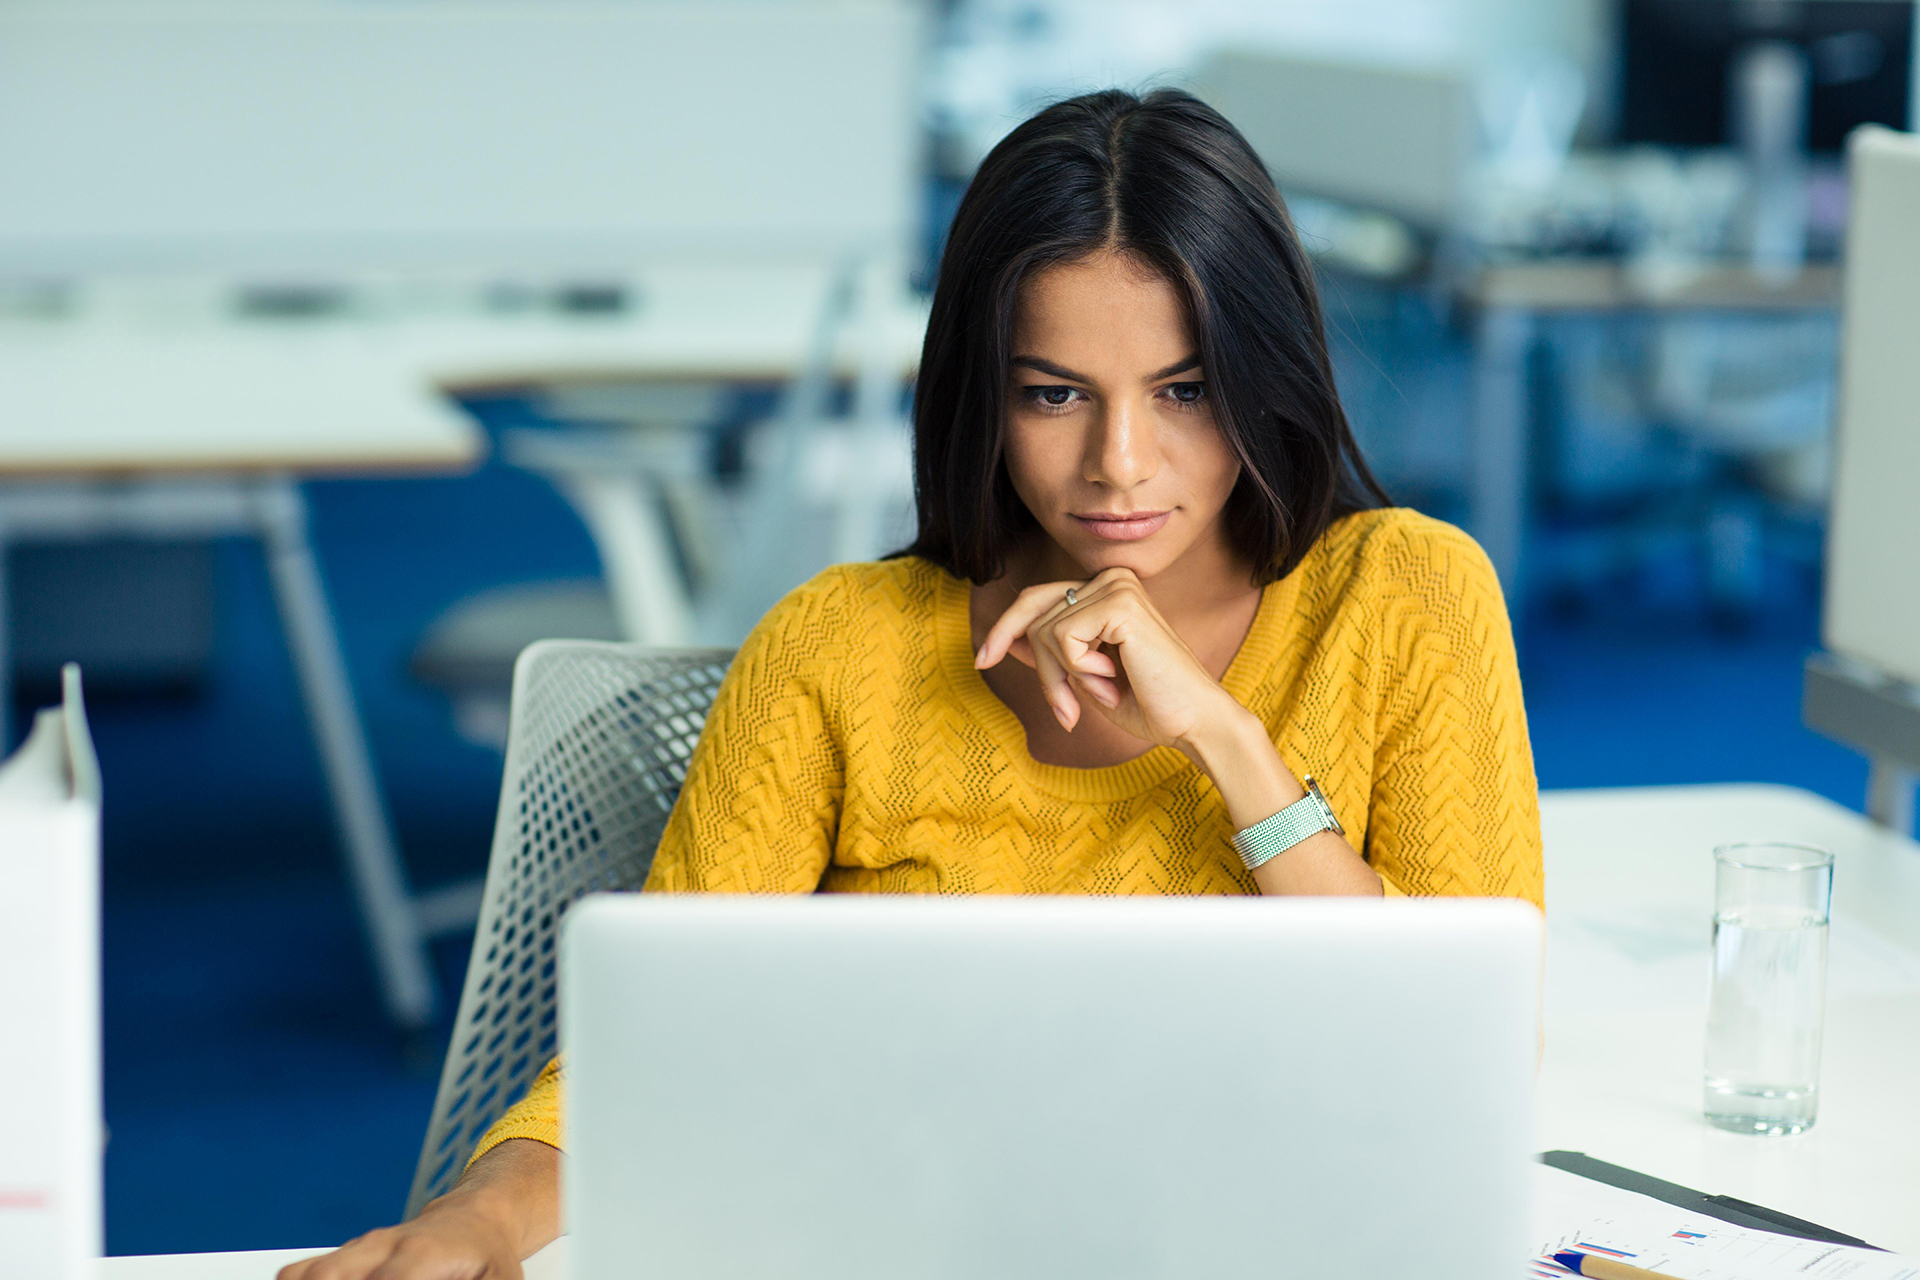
[(1166, 179)]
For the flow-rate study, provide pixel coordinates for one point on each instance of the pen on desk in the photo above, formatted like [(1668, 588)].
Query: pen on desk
[(1604, 1268)]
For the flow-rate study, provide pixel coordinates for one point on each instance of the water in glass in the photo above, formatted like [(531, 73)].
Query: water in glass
[(1763, 1025)]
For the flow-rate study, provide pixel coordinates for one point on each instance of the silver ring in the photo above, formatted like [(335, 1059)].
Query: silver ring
[(1072, 598)]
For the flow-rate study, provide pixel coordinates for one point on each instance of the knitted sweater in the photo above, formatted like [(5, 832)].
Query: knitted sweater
[(854, 748)]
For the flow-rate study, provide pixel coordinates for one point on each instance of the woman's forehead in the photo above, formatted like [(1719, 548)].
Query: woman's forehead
[(1105, 314)]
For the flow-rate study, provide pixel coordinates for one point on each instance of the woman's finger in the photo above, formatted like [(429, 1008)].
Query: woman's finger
[(1057, 688), (356, 1258), (1032, 605), (1102, 690)]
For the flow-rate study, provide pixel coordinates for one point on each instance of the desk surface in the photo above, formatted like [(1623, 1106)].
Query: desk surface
[(1630, 879), (1630, 884), (548, 1264), (152, 390)]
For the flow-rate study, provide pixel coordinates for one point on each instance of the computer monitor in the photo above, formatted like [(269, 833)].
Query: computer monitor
[(1676, 56)]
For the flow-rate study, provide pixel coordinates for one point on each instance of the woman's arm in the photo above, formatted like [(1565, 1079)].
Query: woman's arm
[(505, 1208), (760, 807), (757, 814), (1455, 808), (1157, 690)]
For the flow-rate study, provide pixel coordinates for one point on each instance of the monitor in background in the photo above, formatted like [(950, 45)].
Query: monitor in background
[(1872, 611), (1677, 55)]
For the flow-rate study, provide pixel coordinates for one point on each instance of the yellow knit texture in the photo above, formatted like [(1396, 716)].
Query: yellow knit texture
[(853, 748)]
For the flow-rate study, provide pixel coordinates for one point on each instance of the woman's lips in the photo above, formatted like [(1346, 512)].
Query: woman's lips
[(1130, 527)]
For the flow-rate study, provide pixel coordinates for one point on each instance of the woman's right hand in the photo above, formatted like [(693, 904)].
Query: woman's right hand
[(505, 1208)]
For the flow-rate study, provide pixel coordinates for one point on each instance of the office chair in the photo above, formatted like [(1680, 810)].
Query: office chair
[(597, 747)]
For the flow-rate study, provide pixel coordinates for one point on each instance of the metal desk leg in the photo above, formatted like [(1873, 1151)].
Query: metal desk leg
[(1890, 793), (373, 862), (1497, 486), (629, 528)]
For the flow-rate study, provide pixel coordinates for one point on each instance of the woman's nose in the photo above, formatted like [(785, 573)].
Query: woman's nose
[(1122, 450)]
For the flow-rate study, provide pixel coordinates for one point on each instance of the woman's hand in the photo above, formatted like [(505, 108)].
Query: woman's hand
[(1111, 647), (504, 1209)]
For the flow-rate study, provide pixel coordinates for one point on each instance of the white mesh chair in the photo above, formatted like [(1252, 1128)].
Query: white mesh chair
[(597, 748)]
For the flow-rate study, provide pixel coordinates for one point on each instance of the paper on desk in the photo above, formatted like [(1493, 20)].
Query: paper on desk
[(50, 999), (1571, 1212)]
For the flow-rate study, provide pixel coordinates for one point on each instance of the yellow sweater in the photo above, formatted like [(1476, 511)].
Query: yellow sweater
[(854, 748)]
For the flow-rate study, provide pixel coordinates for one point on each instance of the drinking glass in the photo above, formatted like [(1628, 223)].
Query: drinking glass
[(1769, 986)]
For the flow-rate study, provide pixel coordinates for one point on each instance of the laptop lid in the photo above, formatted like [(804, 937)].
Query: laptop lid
[(866, 1087)]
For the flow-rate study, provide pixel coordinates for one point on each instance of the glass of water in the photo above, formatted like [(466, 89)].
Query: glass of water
[(1769, 986)]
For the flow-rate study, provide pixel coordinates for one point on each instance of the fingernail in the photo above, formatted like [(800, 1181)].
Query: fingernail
[(977, 653)]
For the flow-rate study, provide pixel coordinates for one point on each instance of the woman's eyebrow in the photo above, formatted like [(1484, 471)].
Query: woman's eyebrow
[(1049, 368), (1053, 370)]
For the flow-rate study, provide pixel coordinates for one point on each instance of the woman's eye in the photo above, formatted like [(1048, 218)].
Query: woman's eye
[(1052, 397), (1188, 392)]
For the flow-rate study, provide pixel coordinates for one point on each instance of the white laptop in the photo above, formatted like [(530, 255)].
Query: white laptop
[(883, 1088)]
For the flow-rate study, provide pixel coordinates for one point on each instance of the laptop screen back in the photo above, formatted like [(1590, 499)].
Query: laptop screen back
[(862, 1088)]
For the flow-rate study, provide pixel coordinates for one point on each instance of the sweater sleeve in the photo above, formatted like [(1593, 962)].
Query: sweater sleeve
[(1455, 808), (760, 808), (535, 1116)]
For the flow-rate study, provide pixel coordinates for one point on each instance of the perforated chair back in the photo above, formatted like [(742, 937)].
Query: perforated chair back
[(597, 747)]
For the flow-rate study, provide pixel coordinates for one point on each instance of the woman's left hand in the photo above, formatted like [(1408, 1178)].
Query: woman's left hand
[(1111, 647)]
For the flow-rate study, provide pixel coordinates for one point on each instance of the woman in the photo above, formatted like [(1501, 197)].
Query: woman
[(1235, 668)]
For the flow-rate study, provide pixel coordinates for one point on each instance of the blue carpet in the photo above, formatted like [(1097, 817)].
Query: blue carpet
[(255, 1096)]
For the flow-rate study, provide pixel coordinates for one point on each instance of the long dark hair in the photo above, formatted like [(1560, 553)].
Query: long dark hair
[(1166, 179)]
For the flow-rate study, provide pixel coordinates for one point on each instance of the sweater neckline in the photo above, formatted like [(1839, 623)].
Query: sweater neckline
[(954, 636)]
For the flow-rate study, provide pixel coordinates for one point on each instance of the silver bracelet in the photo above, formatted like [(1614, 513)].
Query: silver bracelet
[(1271, 837)]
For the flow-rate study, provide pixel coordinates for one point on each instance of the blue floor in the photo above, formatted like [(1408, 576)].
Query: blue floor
[(254, 1096)]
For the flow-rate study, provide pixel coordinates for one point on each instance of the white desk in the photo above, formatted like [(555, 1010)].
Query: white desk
[(155, 413), (548, 1264), (1630, 885), (1630, 895), (154, 429)]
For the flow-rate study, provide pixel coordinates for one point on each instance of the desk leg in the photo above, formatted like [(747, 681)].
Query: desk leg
[(1890, 794), (373, 862), (629, 528), (1497, 486)]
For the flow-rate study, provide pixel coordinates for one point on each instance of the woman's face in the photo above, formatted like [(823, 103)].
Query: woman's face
[(1111, 440)]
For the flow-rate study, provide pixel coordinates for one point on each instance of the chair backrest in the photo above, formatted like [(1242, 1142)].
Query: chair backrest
[(597, 747)]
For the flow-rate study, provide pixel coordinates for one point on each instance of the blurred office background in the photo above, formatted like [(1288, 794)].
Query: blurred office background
[(663, 267)]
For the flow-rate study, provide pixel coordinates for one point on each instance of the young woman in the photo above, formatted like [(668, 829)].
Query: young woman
[(1234, 668)]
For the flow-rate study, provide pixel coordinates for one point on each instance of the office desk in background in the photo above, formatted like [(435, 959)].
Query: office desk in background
[(151, 430), (1508, 302), (1630, 900), (156, 412)]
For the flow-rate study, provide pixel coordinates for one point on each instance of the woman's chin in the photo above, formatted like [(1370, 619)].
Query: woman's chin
[(1144, 558)]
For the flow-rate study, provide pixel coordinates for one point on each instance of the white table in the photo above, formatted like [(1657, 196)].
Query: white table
[(157, 428), (157, 413), (1630, 893), (548, 1264), (1630, 885)]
